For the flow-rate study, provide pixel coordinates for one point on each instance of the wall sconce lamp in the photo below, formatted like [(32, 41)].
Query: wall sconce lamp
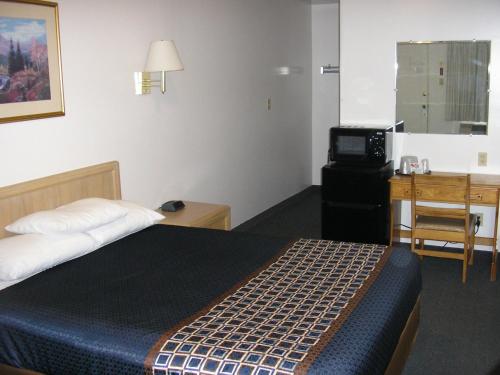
[(163, 58)]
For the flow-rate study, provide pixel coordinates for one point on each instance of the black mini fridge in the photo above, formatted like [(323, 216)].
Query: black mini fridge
[(355, 203)]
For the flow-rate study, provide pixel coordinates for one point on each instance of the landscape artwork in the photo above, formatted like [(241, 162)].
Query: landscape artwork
[(31, 84), (24, 63)]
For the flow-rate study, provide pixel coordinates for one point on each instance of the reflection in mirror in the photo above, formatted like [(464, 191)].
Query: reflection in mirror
[(442, 87)]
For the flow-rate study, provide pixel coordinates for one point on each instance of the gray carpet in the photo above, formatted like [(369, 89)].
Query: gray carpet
[(459, 331)]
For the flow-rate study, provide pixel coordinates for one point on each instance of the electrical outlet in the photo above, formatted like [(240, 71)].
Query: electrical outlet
[(482, 159), (481, 218)]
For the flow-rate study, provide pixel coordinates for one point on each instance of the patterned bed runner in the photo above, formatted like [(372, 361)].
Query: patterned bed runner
[(280, 319)]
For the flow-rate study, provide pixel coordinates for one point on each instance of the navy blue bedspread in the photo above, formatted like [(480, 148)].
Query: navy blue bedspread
[(100, 314)]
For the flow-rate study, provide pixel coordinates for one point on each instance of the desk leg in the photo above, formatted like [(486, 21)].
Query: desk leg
[(395, 207), (493, 272), (391, 222), (493, 276)]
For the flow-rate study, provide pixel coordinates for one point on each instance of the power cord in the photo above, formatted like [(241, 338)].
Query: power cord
[(477, 224), (405, 226), (446, 243)]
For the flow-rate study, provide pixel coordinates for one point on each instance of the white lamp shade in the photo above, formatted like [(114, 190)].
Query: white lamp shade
[(163, 56)]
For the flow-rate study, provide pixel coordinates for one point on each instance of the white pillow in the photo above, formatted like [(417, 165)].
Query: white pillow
[(75, 217), (25, 255), (137, 218)]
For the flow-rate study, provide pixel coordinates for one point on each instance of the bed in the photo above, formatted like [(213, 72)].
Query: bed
[(121, 308)]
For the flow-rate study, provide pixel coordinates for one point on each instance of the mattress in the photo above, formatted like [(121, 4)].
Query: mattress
[(103, 313)]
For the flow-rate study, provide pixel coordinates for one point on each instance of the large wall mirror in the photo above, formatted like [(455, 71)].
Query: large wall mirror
[(442, 87)]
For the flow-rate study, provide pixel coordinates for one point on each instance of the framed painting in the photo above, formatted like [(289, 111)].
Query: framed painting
[(30, 61)]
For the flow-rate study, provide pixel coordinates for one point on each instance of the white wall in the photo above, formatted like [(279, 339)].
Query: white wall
[(369, 30), (210, 137), (325, 89)]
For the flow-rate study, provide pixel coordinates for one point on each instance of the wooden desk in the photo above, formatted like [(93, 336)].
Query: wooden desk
[(484, 191)]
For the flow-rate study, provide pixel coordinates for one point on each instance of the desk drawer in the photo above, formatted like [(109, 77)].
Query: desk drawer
[(477, 195), (483, 196), (400, 191)]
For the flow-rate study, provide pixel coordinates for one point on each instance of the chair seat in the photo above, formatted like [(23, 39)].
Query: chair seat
[(446, 224), (442, 223)]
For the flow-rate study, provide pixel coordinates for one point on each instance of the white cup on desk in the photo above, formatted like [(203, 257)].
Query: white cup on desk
[(425, 166)]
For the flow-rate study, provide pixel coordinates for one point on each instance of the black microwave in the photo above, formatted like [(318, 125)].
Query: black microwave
[(371, 146)]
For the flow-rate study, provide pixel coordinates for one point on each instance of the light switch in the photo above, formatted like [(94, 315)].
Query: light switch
[(482, 159), (268, 104)]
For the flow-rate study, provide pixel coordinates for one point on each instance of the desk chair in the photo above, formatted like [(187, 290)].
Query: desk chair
[(442, 223)]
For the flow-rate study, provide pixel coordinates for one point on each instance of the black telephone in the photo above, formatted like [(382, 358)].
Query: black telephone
[(172, 206)]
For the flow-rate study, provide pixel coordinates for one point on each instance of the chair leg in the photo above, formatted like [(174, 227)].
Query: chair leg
[(465, 261), (414, 246), (464, 269), (471, 251)]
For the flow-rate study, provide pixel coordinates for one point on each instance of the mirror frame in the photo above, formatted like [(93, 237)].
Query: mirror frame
[(400, 122)]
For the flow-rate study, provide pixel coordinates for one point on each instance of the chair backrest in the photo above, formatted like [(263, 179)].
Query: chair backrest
[(453, 189)]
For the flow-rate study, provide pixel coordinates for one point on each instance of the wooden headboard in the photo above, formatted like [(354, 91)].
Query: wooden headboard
[(101, 180)]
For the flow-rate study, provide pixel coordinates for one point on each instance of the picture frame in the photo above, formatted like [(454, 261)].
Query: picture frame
[(31, 84)]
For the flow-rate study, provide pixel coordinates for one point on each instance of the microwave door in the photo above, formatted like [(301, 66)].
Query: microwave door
[(350, 147)]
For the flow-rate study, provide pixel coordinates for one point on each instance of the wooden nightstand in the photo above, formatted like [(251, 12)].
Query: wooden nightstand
[(202, 215)]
